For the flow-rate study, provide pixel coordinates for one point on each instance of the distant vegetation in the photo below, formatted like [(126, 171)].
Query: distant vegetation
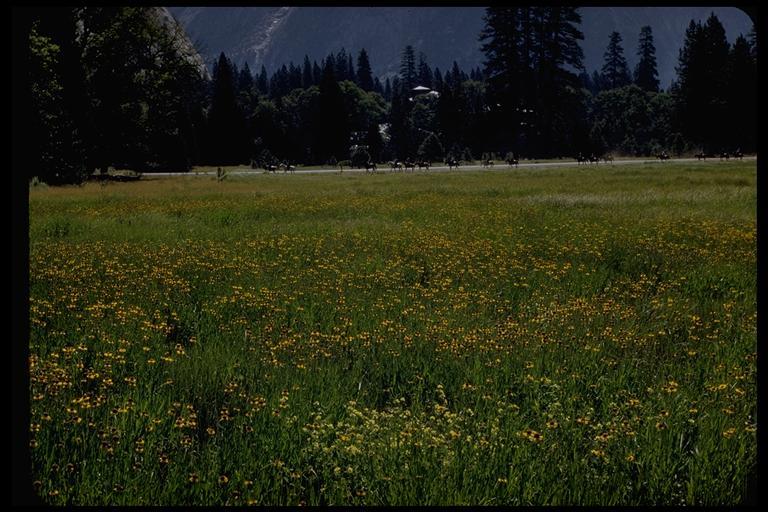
[(154, 111), (554, 336)]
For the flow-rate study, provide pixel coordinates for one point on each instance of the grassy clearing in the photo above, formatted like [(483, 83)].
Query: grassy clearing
[(548, 336)]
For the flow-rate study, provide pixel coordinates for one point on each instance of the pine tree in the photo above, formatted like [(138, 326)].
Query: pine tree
[(437, 80), (505, 71), (294, 77), (530, 52), (742, 96), (225, 120), (586, 81), (341, 66), (306, 74), (408, 69), (456, 76), (329, 65), (364, 75), (398, 121), (452, 114), (262, 83), (377, 87), (597, 82), (424, 74), (331, 124), (646, 75), (701, 89), (246, 97), (245, 80), (351, 75), (279, 84), (317, 73), (387, 90), (553, 125), (615, 72)]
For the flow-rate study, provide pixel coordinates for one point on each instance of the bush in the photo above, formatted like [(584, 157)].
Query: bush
[(360, 156), (431, 149)]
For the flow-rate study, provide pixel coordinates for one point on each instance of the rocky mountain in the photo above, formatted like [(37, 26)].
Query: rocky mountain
[(183, 43), (273, 36)]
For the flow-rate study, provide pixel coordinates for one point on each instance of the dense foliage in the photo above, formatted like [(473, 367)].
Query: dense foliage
[(113, 87)]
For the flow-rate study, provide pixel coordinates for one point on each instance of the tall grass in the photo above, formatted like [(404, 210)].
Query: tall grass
[(545, 337)]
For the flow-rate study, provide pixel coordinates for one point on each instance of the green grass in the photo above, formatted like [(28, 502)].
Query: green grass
[(524, 337)]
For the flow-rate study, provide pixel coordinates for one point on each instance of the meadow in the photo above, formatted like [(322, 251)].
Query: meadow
[(556, 336)]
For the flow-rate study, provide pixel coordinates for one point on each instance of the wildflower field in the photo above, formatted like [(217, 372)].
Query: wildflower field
[(559, 336)]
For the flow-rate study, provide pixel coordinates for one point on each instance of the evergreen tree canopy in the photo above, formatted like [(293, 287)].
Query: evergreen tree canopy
[(351, 74), (111, 86), (437, 80), (341, 65), (294, 77), (701, 90), (225, 120), (408, 69), (615, 72), (597, 82), (245, 79), (424, 74), (742, 97), (530, 53), (331, 123), (646, 75), (307, 80), (262, 83), (387, 90), (317, 73), (364, 75)]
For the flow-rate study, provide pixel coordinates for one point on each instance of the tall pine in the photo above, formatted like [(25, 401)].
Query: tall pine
[(306, 74), (364, 75), (424, 73), (331, 123), (615, 72), (408, 69), (225, 120), (742, 97), (646, 74), (701, 88), (530, 54), (556, 121)]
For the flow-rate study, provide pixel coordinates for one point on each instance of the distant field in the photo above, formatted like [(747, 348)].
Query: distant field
[(548, 336)]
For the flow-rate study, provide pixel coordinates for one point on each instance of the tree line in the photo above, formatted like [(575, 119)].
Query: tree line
[(116, 87)]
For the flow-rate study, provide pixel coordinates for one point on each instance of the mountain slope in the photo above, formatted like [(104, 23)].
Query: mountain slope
[(273, 36), (184, 45)]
